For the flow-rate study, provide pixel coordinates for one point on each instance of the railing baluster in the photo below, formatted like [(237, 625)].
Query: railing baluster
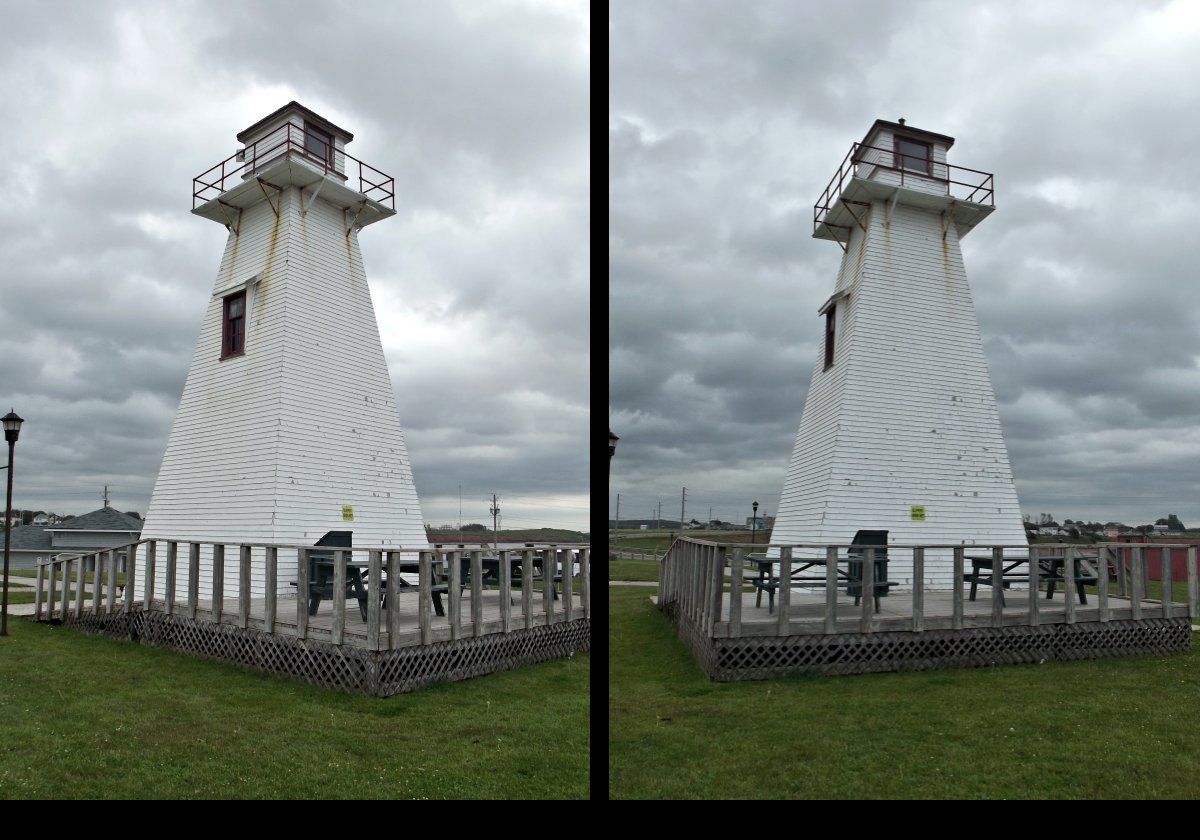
[(79, 587), (338, 632), (130, 575), (736, 571), (1165, 578), (303, 593), (527, 587), (148, 575), (66, 590), (504, 572), (244, 586), (867, 590), (217, 604), (51, 581), (831, 588), (1035, 577), (1135, 582), (1102, 583), (424, 594), (918, 579), (1069, 583), (956, 607), (193, 579), (997, 586), (455, 589), (549, 559), (568, 593), (97, 577), (111, 606), (271, 586), (1119, 555), (374, 579), (391, 597), (476, 593), (37, 593), (1193, 575), (784, 597), (585, 581), (171, 574)]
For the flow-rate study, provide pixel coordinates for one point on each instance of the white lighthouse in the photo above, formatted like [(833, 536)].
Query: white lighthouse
[(288, 426), (900, 430)]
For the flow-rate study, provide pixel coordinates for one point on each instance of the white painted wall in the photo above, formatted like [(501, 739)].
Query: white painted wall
[(268, 446), (906, 415)]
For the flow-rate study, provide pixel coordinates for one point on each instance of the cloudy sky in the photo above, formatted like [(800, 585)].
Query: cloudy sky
[(726, 121), (478, 109)]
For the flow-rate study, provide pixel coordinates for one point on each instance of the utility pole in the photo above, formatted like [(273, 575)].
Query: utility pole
[(617, 523), (106, 495), (495, 531), (658, 519), (710, 516), (682, 508), (460, 531)]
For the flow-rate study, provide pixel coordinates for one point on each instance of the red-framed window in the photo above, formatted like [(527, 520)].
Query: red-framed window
[(233, 332), (914, 156), (830, 321)]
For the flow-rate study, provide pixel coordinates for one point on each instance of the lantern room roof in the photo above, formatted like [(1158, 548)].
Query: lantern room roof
[(310, 116), (908, 131)]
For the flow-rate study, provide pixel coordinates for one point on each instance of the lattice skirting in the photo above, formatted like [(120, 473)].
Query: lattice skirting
[(763, 657), (345, 667)]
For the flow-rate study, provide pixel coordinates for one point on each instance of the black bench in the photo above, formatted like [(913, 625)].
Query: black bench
[(321, 574), (1052, 571), (857, 551)]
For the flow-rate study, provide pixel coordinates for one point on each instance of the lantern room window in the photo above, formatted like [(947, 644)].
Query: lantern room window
[(318, 143), (830, 320), (914, 156), (233, 334)]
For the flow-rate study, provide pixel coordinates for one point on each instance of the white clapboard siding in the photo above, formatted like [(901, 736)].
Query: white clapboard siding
[(906, 415), (269, 446)]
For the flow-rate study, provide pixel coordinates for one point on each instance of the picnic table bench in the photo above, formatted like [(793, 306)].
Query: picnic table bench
[(1051, 570), (767, 581)]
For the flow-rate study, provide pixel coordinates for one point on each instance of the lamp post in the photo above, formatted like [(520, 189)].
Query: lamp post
[(754, 523), (12, 428)]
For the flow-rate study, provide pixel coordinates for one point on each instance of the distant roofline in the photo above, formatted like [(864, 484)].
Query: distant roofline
[(310, 115), (905, 129)]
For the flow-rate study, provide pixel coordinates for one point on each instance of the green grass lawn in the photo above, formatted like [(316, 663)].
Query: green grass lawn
[(632, 570), (1116, 728), (86, 716)]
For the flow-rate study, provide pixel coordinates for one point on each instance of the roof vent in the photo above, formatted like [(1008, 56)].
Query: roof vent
[(902, 121)]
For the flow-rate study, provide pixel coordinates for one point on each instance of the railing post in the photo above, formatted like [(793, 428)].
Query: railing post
[(1102, 583), (130, 575), (866, 589), (504, 573), (1193, 575), (1119, 555), (424, 594), (303, 574), (527, 588), (918, 579), (1135, 582), (171, 575), (1069, 584), (716, 590), (271, 585), (193, 579), (110, 607), (784, 596), (455, 575), (476, 593), (585, 581), (51, 588), (218, 582), (148, 575), (374, 584), (66, 589), (1165, 578), (37, 593), (549, 559), (338, 631), (244, 586), (736, 570), (568, 588), (956, 607)]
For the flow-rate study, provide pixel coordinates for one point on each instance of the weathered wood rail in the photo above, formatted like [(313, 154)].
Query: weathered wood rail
[(246, 602), (929, 621)]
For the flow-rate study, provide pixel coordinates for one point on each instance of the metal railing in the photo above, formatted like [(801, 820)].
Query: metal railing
[(958, 182), (315, 150), (705, 583), (243, 583)]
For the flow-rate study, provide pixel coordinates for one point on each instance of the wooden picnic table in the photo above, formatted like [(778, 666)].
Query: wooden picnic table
[(1050, 570), (765, 579)]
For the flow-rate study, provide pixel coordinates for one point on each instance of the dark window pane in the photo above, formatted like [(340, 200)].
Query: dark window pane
[(317, 143), (233, 327), (912, 155), (829, 327)]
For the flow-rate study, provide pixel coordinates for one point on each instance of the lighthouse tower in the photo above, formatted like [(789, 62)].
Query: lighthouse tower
[(900, 430), (288, 426)]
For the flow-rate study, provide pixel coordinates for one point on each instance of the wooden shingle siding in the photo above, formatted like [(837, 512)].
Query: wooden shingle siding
[(906, 415), (269, 445)]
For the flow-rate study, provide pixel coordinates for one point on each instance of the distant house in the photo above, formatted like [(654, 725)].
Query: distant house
[(103, 528)]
